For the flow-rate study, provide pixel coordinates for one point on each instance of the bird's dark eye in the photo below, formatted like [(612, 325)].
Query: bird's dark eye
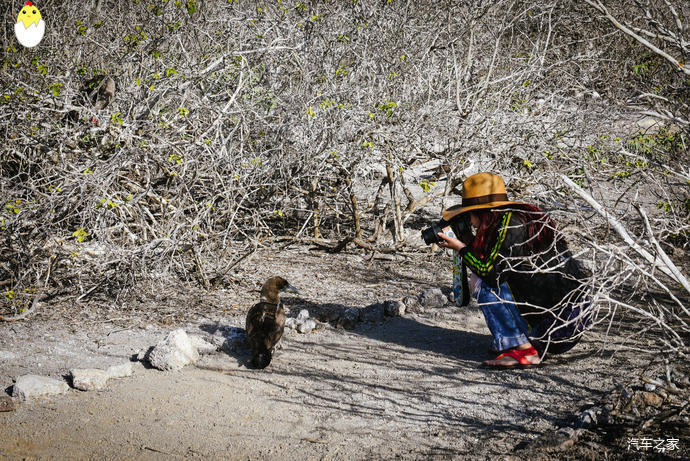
[(34, 11), (23, 11)]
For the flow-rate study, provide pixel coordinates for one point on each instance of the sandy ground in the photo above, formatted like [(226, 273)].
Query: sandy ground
[(405, 388)]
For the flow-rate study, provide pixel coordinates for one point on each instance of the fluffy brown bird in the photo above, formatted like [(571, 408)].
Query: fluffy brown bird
[(99, 91), (96, 93), (266, 321)]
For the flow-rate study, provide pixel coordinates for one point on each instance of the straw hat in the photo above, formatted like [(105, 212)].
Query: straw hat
[(479, 191)]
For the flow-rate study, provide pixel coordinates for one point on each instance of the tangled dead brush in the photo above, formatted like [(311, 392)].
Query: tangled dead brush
[(233, 124)]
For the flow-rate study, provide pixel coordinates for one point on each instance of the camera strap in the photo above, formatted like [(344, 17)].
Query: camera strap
[(461, 289), (465, 285)]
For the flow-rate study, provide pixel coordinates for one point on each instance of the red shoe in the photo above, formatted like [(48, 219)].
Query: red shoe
[(520, 357)]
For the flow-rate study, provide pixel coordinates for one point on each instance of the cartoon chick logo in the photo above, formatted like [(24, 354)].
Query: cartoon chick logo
[(30, 26)]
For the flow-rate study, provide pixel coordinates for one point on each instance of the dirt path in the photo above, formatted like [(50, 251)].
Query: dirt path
[(408, 387)]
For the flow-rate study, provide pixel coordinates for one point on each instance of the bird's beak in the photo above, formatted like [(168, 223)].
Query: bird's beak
[(291, 289)]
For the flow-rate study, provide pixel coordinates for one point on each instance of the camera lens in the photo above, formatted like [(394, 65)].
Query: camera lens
[(430, 234)]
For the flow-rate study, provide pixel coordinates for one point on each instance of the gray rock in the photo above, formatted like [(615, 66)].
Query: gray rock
[(202, 346), (432, 297), (394, 308), (349, 318), (291, 323), (412, 304), (29, 387), (649, 387), (174, 352), (373, 313), (303, 315), (120, 371), (307, 326), (89, 379), (590, 417)]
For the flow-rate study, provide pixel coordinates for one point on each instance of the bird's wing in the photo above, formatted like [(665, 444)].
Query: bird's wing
[(261, 316), (274, 327), (255, 318)]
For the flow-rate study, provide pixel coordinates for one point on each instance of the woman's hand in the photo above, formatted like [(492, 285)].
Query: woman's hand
[(450, 242)]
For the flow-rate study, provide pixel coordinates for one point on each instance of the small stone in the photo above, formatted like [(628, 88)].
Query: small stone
[(6, 404), (373, 313), (89, 379), (589, 417), (349, 318), (303, 315), (291, 323), (29, 387), (120, 371), (649, 387), (394, 308), (412, 304), (202, 346), (174, 352), (306, 326), (651, 399), (432, 297)]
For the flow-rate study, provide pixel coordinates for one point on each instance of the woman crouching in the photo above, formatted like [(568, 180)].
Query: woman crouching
[(524, 278)]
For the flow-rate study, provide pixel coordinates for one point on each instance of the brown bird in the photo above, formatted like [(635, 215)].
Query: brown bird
[(266, 321), (95, 93), (99, 91)]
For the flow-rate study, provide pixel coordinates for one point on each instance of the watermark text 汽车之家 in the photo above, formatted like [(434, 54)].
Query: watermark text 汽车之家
[(652, 444)]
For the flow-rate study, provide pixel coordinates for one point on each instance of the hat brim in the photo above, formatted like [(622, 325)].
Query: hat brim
[(456, 210)]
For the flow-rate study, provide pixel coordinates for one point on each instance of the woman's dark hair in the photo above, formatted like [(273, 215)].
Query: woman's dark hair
[(540, 229)]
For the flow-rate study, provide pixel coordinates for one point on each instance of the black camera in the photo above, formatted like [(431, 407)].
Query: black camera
[(457, 227)]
